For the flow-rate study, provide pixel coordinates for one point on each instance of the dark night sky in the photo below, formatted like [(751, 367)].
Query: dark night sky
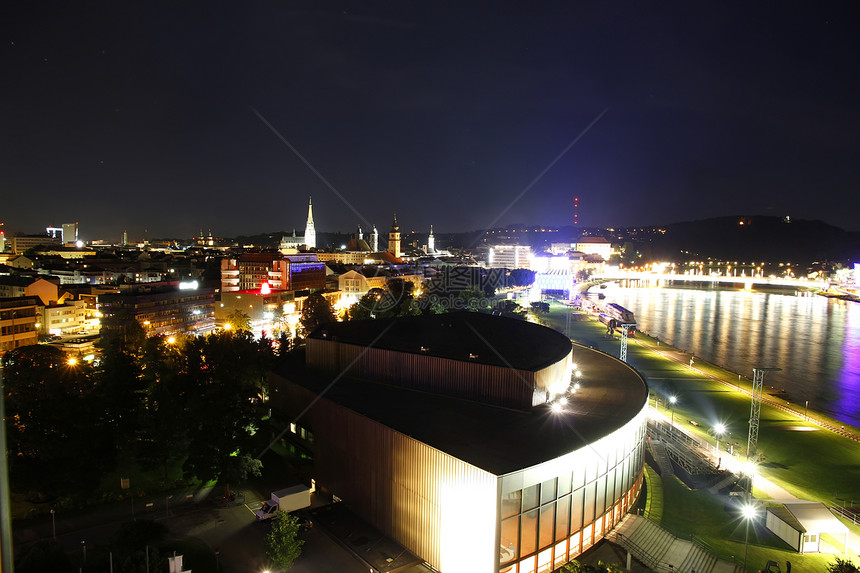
[(134, 115)]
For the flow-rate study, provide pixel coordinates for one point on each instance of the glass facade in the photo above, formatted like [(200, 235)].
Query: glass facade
[(546, 524)]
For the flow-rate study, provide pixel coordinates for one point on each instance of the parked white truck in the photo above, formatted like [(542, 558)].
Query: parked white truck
[(289, 499)]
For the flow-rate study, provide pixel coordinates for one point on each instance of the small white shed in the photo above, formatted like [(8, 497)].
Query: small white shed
[(801, 523)]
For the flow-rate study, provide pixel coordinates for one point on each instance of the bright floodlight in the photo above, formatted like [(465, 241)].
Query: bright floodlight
[(171, 340), (748, 511), (72, 361), (673, 399), (562, 401), (556, 408), (578, 374), (576, 386), (719, 429)]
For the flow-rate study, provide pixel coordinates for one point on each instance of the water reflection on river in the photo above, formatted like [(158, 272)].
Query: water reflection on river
[(815, 340)]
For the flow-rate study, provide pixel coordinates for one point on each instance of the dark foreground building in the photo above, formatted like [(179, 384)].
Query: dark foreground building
[(461, 437)]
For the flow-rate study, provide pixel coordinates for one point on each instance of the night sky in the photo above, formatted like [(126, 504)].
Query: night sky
[(147, 115)]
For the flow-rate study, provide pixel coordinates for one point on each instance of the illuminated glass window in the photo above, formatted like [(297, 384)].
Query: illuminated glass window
[(560, 554), (527, 565), (510, 534), (562, 519), (548, 491), (588, 508), (530, 497), (579, 476), (600, 496), (576, 510), (511, 503), (544, 564), (564, 484), (547, 523), (528, 538)]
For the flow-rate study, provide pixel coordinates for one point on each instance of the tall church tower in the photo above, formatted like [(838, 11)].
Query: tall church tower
[(431, 242), (310, 232), (394, 238), (375, 237)]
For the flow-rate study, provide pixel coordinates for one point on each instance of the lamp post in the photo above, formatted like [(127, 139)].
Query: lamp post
[(673, 400), (748, 512), (719, 430), (53, 525)]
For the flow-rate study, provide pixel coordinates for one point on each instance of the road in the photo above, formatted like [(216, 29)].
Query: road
[(230, 530)]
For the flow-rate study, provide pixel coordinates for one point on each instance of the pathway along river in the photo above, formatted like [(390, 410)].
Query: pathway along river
[(813, 339)]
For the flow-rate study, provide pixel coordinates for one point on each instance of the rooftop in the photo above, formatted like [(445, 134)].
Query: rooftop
[(467, 336), (498, 440)]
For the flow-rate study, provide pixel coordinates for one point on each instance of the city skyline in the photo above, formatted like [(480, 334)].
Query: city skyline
[(227, 118)]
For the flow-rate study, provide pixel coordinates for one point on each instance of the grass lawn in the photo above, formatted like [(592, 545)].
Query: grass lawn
[(806, 460), (723, 531)]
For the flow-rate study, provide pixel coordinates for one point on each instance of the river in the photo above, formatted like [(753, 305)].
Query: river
[(813, 339)]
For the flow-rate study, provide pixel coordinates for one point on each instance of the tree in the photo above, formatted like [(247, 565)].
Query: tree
[(521, 278), (284, 343), (221, 378), (44, 555), (282, 543), (316, 311), (134, 536), (540, 307), (473, 299), (510, 308), (840, 565), (239, 321), (58, 439), (162, 431), (395, 300)]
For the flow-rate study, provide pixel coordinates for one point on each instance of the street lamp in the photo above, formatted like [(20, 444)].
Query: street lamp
[(53, 524), (719, 430), (748, 513), (673, 400)]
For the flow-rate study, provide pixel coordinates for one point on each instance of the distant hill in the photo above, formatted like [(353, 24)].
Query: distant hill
[(757, 238)]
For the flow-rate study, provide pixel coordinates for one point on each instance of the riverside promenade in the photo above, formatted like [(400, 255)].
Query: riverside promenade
[(800, 454)]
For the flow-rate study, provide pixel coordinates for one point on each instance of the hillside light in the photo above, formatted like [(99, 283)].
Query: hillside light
[(673, 400)]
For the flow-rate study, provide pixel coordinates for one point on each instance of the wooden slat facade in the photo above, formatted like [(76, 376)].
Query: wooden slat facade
[(475, 381), (389, 479)]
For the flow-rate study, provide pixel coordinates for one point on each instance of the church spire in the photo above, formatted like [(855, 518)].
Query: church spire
[(310, 232)]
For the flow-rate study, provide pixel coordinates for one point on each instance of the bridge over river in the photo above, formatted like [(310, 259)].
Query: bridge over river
[(747, 283)]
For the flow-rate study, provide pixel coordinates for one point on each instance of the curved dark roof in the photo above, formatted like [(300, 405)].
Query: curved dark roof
[(467, 336), (498, 440)]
